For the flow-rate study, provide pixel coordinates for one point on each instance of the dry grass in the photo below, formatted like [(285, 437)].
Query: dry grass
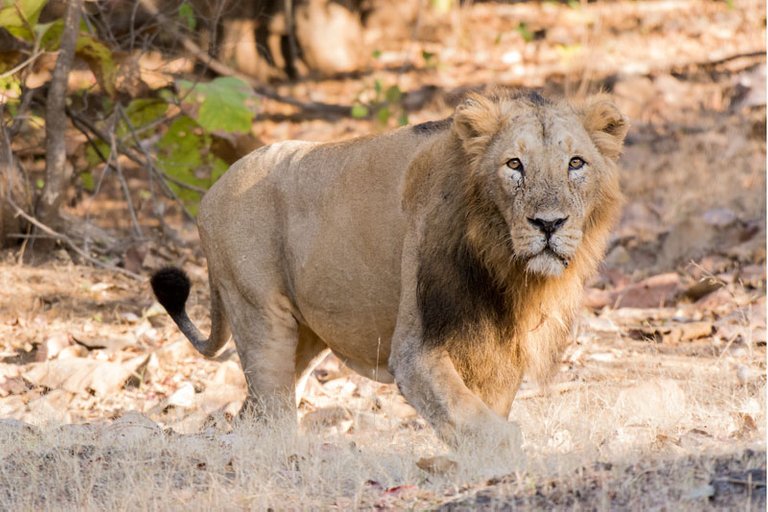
[(631, 424), (644, 440)]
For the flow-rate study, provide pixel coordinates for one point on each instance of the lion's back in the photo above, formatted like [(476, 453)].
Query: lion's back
[(326, 222)]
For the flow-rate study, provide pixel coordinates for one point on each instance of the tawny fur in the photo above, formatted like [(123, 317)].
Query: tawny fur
[(414, 255)]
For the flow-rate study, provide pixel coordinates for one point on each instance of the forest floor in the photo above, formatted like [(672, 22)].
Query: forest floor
[(660, 401)]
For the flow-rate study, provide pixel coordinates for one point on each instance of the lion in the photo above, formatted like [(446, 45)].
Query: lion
[(448, 257)]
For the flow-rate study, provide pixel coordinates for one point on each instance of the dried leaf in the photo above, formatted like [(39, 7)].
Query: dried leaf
[(183, 397), (702, 288), (654, 292), (79, 374), (673, 332)]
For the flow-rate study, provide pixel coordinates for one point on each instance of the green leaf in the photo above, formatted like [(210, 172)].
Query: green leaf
[(223, 103), (144, 111), (359, 111), (10, 86), (20, 13), (92, 156), (187, 14), (376, 54), (430, 58), (39, 183), (21, 32), (183, 153), (402, 120), (218, 168), (179, 149), (393, 94), (525, 32), (50, 34), (86, 178), (99, 60), (383, 115)]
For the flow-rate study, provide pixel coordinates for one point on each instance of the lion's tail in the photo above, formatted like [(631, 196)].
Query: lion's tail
[(171, 286)]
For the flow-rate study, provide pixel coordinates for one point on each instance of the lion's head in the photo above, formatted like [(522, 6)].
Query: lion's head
[(550, 170)]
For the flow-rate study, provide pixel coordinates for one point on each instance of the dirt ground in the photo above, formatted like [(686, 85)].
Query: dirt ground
[(660, 401)]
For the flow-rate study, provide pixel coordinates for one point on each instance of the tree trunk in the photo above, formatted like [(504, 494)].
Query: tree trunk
[(13, 192), (57, 170)]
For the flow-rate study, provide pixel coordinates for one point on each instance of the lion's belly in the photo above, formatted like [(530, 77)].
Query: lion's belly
[(344, 227), (353, 309), (345, 276)]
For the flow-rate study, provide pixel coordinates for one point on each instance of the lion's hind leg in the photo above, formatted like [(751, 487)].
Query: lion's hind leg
[(310, 352), (266, 336)]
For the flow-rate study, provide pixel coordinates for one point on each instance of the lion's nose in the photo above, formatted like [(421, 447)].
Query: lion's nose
[(547, 226)]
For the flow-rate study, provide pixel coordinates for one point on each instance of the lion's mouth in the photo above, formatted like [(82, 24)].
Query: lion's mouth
[(548, 262), (551, 252)]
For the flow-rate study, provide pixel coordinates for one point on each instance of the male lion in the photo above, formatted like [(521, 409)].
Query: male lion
[(448, 256)]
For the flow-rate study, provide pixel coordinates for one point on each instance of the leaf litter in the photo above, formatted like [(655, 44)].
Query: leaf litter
[(660, 401)]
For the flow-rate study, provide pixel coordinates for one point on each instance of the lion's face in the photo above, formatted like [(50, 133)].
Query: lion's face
[(546, 167)]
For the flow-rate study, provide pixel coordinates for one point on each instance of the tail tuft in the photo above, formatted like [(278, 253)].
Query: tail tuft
[(171, 286)]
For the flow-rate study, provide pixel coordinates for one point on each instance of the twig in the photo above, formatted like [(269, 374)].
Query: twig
[(121, 178), (65, 239), (223, 69), (132, 155), (160, 173), (21, 66), (728, 58)]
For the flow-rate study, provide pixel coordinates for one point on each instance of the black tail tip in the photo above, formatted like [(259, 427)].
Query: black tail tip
[(171, 286)]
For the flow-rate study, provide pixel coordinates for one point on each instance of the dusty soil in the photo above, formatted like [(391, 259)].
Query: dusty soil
[(660, 402)]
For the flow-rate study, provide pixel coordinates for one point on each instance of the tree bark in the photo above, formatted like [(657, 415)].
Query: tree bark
[(57, 170), (13, 191)]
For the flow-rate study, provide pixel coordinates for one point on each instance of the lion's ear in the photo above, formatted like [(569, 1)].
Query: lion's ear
[(605, 124), (476, 121)]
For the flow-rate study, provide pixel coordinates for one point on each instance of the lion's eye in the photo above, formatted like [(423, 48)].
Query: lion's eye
[(515, 164), (576, 163)]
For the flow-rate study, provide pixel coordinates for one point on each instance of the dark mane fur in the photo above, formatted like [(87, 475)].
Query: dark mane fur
[(430, 127), (459, 293)]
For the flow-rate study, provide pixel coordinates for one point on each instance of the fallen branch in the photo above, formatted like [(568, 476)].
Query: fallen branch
[(71, 244)]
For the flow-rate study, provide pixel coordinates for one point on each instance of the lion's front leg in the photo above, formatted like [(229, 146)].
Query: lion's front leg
[(429, 381)]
